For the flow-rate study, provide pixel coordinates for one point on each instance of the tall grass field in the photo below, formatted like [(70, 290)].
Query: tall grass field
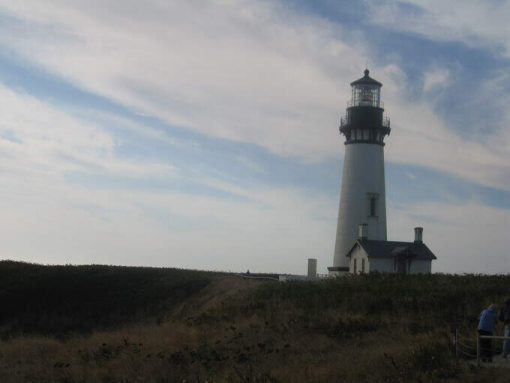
[(132, 324)]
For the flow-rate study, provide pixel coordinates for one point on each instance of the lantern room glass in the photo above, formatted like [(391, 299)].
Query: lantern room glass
[(366, 95)]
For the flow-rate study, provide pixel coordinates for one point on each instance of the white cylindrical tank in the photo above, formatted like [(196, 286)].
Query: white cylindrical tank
[(312, 268), (362, 198)]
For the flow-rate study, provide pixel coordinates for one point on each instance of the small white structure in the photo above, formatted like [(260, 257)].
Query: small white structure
[(310, 276), (390, 256), (312, 268)]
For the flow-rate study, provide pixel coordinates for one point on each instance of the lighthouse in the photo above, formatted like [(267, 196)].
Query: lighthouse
[(362, 211)]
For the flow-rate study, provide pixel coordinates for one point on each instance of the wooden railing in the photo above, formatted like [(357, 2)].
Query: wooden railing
[(467, 347)]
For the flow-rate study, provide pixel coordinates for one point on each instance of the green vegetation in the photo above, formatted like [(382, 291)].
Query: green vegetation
[(61, 299), (420, 300), (165, 325)]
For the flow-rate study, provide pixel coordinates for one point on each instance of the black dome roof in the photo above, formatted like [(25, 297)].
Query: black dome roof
[(366, 80)]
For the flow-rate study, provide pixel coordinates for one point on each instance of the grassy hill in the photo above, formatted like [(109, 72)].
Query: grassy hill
[(122, 324), (57, 300)]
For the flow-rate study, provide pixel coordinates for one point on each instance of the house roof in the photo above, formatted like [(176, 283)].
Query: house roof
[(390, 249)]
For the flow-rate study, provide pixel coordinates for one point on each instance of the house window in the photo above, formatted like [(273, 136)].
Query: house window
[(354, 266), (372, 204), (363, 265)]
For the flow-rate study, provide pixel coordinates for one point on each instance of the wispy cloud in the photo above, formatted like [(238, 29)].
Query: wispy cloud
[(436, 79), (468, 237), (47, 218), (252, 72), (246, 71), (178, 161), (480, 24)]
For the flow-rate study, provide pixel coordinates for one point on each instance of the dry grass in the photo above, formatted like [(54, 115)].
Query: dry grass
[(244, 351), (227, 333)]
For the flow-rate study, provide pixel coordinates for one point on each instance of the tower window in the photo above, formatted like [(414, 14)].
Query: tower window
[(363, 265), (354, 267), (372, 204)]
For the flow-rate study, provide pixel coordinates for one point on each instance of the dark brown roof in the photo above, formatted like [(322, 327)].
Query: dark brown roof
[(390, 249)]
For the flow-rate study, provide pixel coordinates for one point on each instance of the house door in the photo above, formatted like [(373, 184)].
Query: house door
[(402, 265)]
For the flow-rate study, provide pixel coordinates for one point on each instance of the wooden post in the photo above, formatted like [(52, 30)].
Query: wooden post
[(478, 350), (456, 340)]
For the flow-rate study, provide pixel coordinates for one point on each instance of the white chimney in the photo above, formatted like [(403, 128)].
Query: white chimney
[(312, 268), (362, 231), (418, 234)]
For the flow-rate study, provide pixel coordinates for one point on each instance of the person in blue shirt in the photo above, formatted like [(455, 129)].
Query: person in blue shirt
[(487, 326)]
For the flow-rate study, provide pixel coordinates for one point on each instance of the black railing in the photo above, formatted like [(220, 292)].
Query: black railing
[(344, 121), (372, 103)]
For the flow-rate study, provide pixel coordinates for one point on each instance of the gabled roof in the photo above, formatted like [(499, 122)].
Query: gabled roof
[(390, 249), (366, 80)]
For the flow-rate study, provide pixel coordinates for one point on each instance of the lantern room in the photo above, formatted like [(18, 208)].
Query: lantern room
[(366, 92), (364, 121)]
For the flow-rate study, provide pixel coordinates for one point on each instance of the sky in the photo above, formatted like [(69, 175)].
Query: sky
[(204, 134)]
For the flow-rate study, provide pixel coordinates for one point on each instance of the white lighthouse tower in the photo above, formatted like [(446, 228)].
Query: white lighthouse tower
[(362, 199)]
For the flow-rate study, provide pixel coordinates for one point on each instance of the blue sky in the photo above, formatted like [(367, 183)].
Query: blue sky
[(205, 134)]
